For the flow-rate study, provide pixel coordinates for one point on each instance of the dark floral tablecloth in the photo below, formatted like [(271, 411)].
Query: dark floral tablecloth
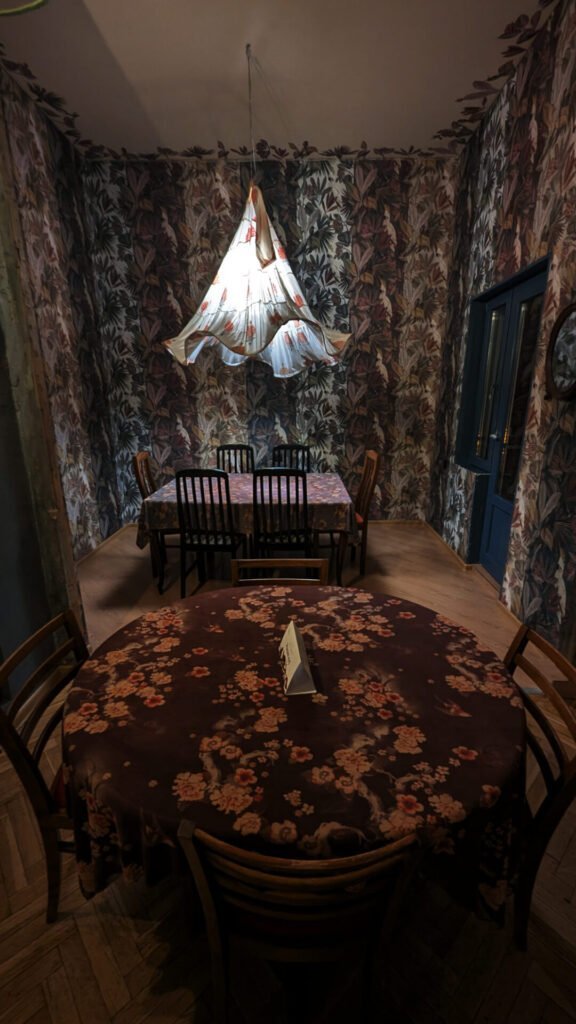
[(415, 727), (329, 505)]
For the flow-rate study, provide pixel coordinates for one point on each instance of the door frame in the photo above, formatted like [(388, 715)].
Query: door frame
[(471, 398)]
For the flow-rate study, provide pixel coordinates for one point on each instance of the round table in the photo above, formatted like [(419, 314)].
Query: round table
[(415, 727)]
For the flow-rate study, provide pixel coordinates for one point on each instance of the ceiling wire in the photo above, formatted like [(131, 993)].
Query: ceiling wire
[(249, 60)]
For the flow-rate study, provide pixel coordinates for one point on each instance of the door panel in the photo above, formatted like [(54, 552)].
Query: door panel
[(512, 321)]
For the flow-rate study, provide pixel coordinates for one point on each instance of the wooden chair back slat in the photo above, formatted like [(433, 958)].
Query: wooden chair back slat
[(293, 910), (280, 504), (142, 465), (527, 653), (240, 566), (29, 721), (235, 458), (367, 483), (292, 456), (204, 508)]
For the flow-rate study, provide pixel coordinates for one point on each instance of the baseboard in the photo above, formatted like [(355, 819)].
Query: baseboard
[(106, 541)]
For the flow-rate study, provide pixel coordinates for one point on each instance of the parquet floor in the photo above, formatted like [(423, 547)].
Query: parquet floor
[(136, 955)]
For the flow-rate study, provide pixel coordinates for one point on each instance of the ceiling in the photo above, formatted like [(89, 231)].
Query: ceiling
[(143, 74)]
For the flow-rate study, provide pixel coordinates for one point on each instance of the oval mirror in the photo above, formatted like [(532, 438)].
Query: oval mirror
[(561, 356)]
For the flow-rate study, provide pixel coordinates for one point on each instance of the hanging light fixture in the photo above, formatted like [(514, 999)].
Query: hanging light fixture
[(254, 308)]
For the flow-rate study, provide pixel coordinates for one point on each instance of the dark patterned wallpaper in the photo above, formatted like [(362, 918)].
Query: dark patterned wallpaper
[(119, 251), (517, 203)]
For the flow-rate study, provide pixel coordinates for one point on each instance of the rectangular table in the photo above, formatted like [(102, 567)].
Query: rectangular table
[(330, 507)]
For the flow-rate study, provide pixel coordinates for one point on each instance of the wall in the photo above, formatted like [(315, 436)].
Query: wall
[(369, 242), (119, 252), (517, 203)]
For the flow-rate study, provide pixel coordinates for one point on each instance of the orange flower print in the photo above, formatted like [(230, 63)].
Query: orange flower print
[(490, 795), (199, 650), (115, 657), (301, 754), (97, 725), (408, 739), (281, 253), (210, 743), (198, 671), (322, 776), (74, 722), (465, 753), (299, 301), (247, 824), (283, 832), (354, 762), (460, 683), (408, 803), (447, 807), (406, 615), (251, 233), (230, 798), (345, 784), (294, 797), (229, 326), (166, 644), (245, 777), (350, 686), (384, 714), (189, 786), (230, 752), (250, 330), (154, 700), (203, 307), (115, 709), (87, 709), (269, 720)]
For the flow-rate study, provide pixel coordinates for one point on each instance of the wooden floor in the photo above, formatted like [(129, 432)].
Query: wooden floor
[(134, 954)]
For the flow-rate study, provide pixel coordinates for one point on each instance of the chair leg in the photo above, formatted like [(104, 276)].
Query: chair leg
[(341, 555), (363, 546), (53, 873), (182, 570)]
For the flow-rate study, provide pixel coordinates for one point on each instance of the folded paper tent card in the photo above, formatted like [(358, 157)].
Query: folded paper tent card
[(295, 665)]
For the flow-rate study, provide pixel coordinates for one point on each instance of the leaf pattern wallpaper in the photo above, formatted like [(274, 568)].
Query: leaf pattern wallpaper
[(120, 249), (517, 203)]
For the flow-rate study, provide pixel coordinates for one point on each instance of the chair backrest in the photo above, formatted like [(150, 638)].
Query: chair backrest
[(204, 507), (267, 566), (142, 465), (291, 456), (542, 664), (367, 483), (298, 907), (235, 458), (52, 656), (280, 501)]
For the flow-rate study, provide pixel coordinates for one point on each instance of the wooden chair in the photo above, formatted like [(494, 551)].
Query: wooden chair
[(242, 565), (205, 517), (294, 910), (235, 458), (280, 505), (291, 456), (142, 466), (536, 658), (52, 657), (362, 504)]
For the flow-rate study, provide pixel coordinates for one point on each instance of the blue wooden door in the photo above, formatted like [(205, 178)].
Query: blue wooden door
[(512, 322)]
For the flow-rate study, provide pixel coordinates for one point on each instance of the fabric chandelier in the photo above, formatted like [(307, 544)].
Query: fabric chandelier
[(254, 307)]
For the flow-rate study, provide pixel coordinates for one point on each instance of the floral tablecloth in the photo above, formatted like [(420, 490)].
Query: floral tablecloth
[(415, 727), (329, 505)]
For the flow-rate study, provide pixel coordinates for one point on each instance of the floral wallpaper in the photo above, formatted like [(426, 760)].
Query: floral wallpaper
[(42, 164), (517, 203), (392, 246)]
